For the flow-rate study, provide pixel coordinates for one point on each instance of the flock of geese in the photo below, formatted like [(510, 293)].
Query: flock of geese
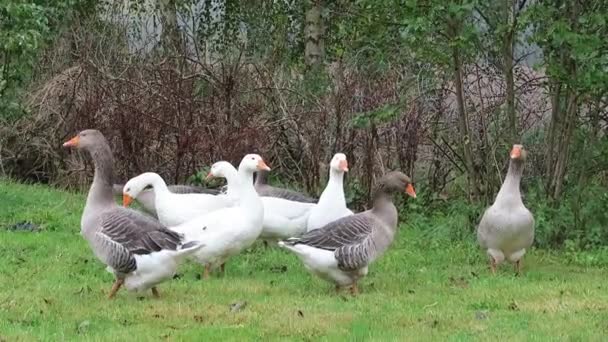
[(210, 226)]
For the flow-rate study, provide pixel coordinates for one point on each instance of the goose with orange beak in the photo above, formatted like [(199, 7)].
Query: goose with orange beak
[(138, 250), (229, 231), (341, 251), (506, 229), (172, 208), (332, 203)]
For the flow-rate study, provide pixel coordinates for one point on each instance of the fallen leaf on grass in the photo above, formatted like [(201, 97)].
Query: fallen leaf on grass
[(481, 315), (83, 327), (278, 269), (513, 306), (237, 306)]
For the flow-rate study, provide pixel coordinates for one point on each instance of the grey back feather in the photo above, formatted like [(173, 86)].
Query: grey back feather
[(264, 189), (113, 254), (138, 233), (356, 240)]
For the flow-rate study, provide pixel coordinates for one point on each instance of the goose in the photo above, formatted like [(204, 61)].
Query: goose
[(506, 228), (138, 250), (146, 198), (332, 203), (282, 218), (341, 251), (266, 190), (172, 209), (226, 232)]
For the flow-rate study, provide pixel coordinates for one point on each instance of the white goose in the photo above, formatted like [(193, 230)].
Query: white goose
[(282, 218), (506, 229), (332, 203), (228, 231), (173, 209), (147, 200)]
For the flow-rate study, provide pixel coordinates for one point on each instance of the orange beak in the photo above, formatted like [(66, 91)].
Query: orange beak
[(72, 142), (262, 166), (126, 200), (209, 176), (343, 165), (515, 152), (409, 189)]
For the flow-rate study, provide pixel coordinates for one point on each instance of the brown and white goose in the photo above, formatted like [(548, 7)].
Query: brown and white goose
[(266, 190), (137, 249), (341, 251), (506, 229)]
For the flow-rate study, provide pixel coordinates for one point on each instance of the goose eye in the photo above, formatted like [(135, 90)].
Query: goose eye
[(128, 189)]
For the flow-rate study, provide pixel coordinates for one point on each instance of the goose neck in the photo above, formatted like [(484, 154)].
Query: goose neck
[(101, 191), (510, 188)]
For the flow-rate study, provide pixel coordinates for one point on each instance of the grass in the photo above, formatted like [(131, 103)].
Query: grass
[(425, 288)]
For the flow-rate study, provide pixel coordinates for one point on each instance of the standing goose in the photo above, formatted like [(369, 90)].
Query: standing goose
[(146, 198), (266, 190), (226, 232), (332, 203), (282, 218), (506, 229), (172, 209), (341, 251), (136, 248)]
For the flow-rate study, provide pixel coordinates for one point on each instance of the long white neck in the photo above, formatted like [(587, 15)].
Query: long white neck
[(509, 191), (334, 191), (232, 181), (249, 198)]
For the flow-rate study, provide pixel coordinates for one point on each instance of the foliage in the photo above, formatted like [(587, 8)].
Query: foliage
[(22, 30), (387, 95), (25, 27), (576, 32)]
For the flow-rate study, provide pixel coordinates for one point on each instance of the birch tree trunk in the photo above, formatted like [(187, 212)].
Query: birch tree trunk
[(315, 47)]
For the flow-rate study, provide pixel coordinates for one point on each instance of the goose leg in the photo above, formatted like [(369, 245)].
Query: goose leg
[(338, 288), (155, 292), (206, 272), (518, 266), (223, 269), (492, 265), (117, 284), (354, 289)]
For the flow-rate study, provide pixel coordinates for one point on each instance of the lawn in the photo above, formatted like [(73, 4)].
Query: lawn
[(424, 288)]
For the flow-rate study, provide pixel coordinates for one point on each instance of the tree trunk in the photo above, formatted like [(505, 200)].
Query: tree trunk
[(315, 48), (170, 37), (553, 129), (507, 50), (463, 123), (564, 147)]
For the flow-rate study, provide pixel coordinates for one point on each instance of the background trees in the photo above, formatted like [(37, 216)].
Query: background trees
[(438, 89)]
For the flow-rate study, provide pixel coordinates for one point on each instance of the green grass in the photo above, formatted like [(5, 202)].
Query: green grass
[(425, 287)]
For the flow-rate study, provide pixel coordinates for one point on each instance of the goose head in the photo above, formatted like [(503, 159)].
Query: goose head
[(518, 153), (396, 181), (252, 163), (135, 186), (339, 163), (86, 140), (222, 169)]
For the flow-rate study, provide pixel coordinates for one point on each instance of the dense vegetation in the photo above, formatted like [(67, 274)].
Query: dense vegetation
[(438, 89)]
